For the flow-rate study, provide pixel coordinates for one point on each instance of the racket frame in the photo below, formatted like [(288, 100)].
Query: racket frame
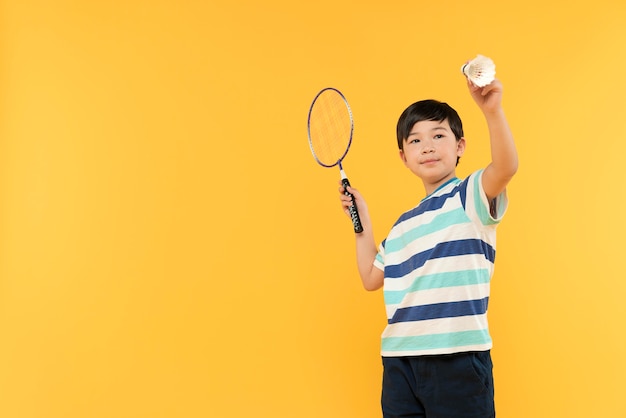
[(354, 213)]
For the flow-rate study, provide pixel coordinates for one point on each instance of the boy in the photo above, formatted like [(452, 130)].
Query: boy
[(437, 262)]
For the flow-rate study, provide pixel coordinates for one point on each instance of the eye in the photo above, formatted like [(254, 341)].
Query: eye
[(414, 141), (438, 136)]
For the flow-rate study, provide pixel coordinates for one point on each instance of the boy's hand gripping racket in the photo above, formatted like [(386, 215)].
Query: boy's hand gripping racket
[(330, 128)]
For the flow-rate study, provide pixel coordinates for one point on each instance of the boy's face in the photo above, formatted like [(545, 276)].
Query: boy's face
[(431, 151)]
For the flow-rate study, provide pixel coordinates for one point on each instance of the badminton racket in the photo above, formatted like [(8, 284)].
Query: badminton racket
[(330, 128)]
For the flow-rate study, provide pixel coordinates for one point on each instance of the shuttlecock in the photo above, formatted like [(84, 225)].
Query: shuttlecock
[(480, 71)]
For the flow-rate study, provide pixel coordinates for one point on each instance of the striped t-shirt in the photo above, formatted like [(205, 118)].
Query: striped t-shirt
[(438, 260)]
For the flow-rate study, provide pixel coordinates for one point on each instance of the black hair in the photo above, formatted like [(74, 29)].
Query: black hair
[(427, 110)]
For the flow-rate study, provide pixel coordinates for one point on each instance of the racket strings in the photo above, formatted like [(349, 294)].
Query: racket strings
[(330, 128)]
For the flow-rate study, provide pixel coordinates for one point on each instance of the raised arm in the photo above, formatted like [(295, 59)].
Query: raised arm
[(371, 277), (504, 160)]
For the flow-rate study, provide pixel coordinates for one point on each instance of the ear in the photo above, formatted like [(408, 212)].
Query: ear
[(460, 147), (402, 156)]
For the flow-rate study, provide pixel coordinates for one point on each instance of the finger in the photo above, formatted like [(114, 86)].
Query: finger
[(344, 190), (351, 190), (489, 90), (473, 87), (347, 198), (494, 85)]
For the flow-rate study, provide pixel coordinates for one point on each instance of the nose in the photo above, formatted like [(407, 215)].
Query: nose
[(427, 147)]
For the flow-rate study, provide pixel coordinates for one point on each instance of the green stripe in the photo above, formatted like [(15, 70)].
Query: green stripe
[(483, 212), (436, 341), (454, 217), (438, 281)]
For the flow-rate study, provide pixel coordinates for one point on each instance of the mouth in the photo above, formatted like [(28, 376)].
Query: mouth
[(429, 161)]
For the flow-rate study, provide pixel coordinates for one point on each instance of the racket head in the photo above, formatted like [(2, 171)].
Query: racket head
[(330, 127)]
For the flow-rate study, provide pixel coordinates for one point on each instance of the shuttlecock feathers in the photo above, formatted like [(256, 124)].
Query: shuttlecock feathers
[(480, 71)]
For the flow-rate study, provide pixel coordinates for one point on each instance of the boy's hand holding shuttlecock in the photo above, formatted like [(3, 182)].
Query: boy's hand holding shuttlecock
[(485, 89)]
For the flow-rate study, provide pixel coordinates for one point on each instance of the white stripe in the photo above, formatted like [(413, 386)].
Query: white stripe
[(443, 295), (452, 203), (450, 264), (447, 350), (427, 242)]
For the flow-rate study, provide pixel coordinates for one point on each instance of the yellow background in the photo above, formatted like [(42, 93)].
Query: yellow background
[(169, 248)]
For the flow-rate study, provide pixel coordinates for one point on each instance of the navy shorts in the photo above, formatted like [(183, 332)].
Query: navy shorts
[(440, 386)]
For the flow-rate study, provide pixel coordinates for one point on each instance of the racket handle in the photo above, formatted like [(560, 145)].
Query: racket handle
[(354, 213)]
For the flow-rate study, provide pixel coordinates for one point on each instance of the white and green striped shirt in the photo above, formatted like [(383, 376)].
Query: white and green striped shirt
[(438, 260)]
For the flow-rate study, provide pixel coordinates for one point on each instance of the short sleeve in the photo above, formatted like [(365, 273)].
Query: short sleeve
[(379, 261), (478, 208)]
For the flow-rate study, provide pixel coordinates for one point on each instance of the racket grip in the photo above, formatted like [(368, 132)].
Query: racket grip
[(354, 212)]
